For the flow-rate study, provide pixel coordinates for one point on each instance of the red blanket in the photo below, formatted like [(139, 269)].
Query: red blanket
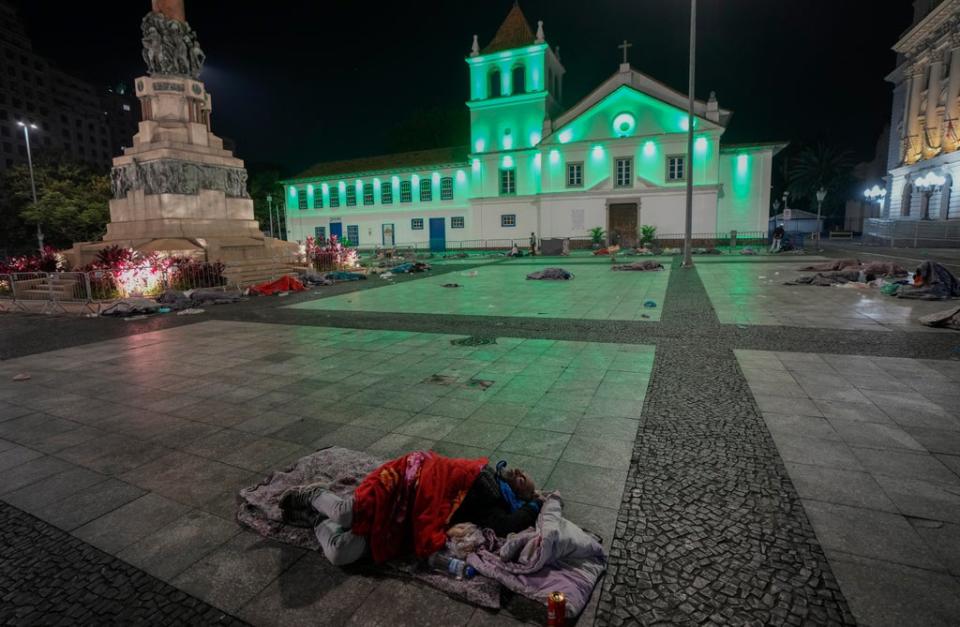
[(285, 283), (405, 505)]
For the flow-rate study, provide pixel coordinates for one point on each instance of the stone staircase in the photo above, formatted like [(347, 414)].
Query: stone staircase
[(62, 288), (246, 272)]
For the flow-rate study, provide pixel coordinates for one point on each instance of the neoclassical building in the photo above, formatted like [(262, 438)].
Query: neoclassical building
[(923, 160), (615, 159)]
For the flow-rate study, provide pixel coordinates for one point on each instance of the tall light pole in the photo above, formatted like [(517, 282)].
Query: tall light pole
[(33, 183), (688, 227), (270, 211), (821, 194)]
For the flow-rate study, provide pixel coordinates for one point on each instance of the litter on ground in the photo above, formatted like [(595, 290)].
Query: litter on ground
[(22, 377)]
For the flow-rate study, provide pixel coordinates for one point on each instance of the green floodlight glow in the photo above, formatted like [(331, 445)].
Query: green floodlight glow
[(476, 164), (436, 178), (554, 156), (325, 188), (534, 138), (461, 176), (395, 180), (507, 141), (533, 49), (506, 55), (598, 152), (507, 161), (701, 144), (743, 162), (479, 145), (293, 190), (566, 136), (310, 190), (685, 123), (624, 124), (537, 159), (342, 186), (649, 148), (359, 184), (415, 179), (376, 182)]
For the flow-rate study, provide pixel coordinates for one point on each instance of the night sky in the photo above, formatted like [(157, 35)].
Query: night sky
[(295, 83)]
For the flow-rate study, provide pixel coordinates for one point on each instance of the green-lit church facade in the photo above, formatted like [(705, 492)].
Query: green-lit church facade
[(616, 159)]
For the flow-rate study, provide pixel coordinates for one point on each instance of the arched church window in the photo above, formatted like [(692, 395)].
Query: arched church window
[(519, 79), (494, 85)]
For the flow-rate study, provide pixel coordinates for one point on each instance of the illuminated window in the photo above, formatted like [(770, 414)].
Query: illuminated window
[(456, 222), (624, 172), (416, 224), (519, 78), (676, 168), (493, 80), (446, 188), (426, 190), (351, 195), (386, 193), (353, 234), (302, 199), (406, 193), (368, 193), (508, 182), (575, 174), (317, 198), (334, 196), (320, 233), (508, 220)]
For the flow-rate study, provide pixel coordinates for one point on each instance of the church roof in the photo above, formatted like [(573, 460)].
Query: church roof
[(515, 32), (454, 155), (644, 84)]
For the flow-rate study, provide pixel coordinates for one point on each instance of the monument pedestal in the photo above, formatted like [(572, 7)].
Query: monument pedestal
[(177, 190)]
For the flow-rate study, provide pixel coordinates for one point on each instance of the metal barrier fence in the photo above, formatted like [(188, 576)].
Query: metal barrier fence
[(912, 233), (87, 291)]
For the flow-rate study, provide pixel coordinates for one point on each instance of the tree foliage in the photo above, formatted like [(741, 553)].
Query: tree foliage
[(816, 167), (265, 181), (72, 203)]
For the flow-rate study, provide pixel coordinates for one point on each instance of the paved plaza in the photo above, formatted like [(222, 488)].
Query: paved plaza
[(751, 452)]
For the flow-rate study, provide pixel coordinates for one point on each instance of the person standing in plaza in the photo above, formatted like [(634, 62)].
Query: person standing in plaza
[(778, 234), (533, 244)]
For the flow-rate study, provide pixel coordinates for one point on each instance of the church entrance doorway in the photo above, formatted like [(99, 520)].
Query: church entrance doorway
[(438, 235), (336, 230), (623, 220), (387, 231)]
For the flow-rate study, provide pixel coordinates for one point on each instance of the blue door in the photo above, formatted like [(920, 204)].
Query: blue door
[(336, 230), (438, 235)]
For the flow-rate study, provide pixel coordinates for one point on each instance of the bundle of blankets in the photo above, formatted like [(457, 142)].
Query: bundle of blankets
[(931, 281), (408, 267), (550, 274), (402, 507), (639, 266), (842, 271), (172, 300)]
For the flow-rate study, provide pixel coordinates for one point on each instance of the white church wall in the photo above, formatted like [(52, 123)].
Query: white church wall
[(745, 202)]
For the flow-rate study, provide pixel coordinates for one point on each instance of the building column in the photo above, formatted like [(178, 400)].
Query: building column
[(933, 99), (912, 123), (952, 108)]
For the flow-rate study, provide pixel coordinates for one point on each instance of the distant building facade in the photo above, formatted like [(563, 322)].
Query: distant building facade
[(923, 160), (617, 159), (75, 119)]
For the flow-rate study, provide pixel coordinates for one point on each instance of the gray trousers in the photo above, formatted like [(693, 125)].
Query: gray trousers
[(338, 544)]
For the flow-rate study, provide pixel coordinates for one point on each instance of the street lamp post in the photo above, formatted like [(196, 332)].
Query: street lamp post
[(33, 183), (821, 194), (688, 227), (270, 211)]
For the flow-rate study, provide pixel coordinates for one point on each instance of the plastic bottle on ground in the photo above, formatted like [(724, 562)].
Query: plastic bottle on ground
[(452, 566)]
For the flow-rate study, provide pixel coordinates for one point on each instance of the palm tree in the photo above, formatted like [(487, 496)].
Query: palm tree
[(817, 167)]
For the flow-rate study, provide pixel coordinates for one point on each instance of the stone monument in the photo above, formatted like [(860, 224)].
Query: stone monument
[(176, 189)]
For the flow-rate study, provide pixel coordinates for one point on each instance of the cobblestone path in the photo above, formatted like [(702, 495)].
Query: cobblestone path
[(711, 529)]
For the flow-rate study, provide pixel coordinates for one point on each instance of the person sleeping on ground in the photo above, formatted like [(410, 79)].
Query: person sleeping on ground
[(406, 505)]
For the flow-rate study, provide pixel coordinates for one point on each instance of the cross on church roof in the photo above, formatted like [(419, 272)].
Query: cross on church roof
[(624, 46)]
